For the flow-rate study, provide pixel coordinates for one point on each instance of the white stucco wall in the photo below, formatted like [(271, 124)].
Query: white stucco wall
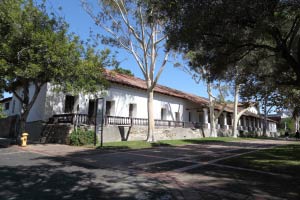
[(122, 96), (37, 111)]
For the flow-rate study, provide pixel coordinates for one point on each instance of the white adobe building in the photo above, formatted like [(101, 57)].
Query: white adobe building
[(176, 113)]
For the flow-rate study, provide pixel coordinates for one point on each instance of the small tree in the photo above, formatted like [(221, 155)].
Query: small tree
[(131, 25), (35, 49), (200, 73)]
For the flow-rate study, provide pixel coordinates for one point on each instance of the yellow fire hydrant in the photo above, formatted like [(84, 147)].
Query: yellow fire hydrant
[(24, 139)]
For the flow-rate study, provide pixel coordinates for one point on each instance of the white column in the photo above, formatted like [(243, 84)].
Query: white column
[(244, 122), (225, 120), (205, 120), (205, 115)]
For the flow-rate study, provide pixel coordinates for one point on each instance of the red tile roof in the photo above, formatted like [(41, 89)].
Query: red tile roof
[(141, 84), (135, 82)]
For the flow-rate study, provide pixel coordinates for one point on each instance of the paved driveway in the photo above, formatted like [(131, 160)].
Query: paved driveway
[(186, 172)]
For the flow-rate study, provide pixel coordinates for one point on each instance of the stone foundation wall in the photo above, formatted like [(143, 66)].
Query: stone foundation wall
[(34, 130), (115, 133), (59, 133), (56, 133)]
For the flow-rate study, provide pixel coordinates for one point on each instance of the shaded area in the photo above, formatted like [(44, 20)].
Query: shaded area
[(234, 184), (54, 182), (166, 166), (46, 182), (5, 142), (32, 176), (109, 174), (283, 159)]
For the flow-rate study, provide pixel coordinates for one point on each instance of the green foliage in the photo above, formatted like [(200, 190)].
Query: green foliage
[(2, 115), (144, 144), (123, 71), (35, 48), (282, 159), (289, 123), (263, 36), (82, 137)]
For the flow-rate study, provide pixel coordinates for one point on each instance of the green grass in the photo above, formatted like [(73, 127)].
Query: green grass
[(144, 144), (283, 159)]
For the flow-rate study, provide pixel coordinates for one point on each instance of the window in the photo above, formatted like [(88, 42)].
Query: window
[(108, 108), (132, 110), (91, 110), (229, 120), (201, 116), (69, 104), (163, 113), (177, 116), (208, 117), (190, 116), (6, 106)]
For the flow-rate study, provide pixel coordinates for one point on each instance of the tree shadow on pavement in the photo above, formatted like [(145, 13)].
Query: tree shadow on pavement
[(66, 182), (221, 182)]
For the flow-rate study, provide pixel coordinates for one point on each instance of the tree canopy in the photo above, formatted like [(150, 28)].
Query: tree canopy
[(228, 33), (36, 48)]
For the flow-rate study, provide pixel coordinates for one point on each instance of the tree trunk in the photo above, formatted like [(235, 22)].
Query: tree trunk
[(212, 122), (235, 111), (213, 132), (265, 117), (22, 124), (296, 123), (27, 104), (150, 137)]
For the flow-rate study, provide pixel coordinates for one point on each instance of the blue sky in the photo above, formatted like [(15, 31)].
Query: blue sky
[(81, 23)]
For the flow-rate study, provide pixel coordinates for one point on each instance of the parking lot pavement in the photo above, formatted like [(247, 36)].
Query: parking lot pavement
[(185, 172), (27, 175)]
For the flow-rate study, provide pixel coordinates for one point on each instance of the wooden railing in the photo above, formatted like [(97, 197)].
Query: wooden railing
[(80, 119), (73, 118), (128, 121)]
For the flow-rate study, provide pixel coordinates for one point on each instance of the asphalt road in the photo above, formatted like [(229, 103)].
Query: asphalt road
[(188, 172), (28, 175)]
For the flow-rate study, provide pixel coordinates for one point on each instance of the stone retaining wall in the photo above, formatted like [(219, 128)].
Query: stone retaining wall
[(114, 133), (59, 133)]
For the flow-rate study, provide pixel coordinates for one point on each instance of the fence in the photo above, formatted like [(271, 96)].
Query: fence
[(120, 121)]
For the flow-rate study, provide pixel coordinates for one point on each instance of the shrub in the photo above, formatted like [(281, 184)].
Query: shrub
[(82, 137)]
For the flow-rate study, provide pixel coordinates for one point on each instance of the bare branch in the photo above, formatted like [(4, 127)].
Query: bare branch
[(221, 110), (126, 21), (18, 97), (140, 63), (161, 39), (162, 67)]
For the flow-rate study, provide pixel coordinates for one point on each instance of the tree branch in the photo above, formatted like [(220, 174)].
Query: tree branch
[(161, 69)]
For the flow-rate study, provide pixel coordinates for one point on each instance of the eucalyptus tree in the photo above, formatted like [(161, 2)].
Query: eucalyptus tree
[(132, 25), (35, 49)]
